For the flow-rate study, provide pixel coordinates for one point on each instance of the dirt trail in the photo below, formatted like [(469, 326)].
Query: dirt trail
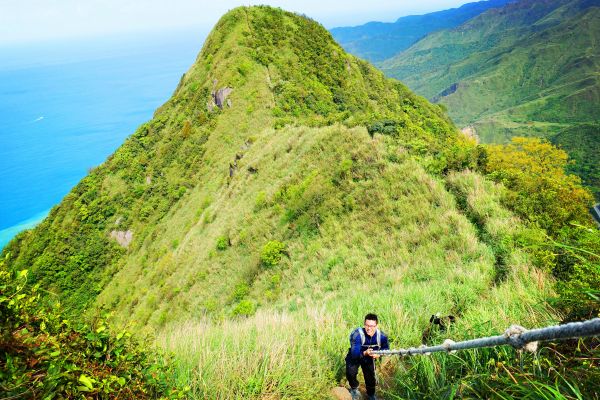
[(385, 370)]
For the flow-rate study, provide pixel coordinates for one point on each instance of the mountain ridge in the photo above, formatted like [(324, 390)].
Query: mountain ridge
[(477, 62), (528, 69), (378, 41), (146, 178)]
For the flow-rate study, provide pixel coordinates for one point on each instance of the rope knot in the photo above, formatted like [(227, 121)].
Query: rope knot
[(447, 344), (513, 333)]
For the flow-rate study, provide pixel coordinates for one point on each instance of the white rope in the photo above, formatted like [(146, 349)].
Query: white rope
[(515, 335)]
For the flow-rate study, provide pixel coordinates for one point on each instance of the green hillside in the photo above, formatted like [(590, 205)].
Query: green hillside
[(530, 68), (181, 158), (378, 41), (286, 189), (582, 142)]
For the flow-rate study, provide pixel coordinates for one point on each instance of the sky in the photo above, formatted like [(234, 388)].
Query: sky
[(34, 21)]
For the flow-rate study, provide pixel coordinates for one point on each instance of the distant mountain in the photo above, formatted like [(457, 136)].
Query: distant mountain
[(377, 41), (528, 69)]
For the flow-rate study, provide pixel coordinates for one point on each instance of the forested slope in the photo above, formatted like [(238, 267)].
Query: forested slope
[(527, 69)]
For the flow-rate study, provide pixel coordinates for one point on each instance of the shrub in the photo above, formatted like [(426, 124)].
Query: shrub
[(222, 243), (271, 253), (46, 356), (244, 308), (240, 291), (384, 127), (540, 190)]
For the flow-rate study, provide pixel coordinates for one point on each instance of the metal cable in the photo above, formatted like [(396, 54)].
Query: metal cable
[(516, 336)]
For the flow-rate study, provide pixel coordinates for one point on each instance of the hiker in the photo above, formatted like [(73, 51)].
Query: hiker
[(362, 342)]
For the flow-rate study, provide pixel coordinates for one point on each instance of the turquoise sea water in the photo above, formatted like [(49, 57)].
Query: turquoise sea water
[(64, 107)]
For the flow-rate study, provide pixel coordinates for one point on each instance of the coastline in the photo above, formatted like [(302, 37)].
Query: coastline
[(7, 234)]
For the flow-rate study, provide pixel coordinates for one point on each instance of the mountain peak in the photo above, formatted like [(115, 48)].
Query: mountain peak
[(288, 67), (263, 76)]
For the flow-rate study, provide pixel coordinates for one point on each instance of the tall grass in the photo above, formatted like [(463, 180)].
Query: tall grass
[(293, 347), (300, 354), (274, 355), (366, 229)]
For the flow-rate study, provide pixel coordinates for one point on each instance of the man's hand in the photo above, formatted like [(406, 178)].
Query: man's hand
[(369, 353)]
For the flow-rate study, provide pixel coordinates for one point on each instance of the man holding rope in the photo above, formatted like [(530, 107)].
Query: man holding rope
[(363, 341)]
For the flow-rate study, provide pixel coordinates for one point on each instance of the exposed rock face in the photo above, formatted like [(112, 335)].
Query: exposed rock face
[(220, 96), (122, 237), (471, 132), (596, 213)]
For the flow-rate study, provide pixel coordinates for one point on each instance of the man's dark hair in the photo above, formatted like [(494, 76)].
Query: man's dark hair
[(371, 317)]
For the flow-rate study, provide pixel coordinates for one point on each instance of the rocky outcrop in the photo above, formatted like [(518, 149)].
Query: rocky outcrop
[(122, 237), (219, 98), (471, 132)]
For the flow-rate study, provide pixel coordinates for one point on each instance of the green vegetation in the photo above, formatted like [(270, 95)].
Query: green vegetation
[(582, 142), (577, 268), (250, 239), (223, 242), (378, 41), (542, 193), (271, 253), (528, 69), (550, 373), (45, 356)]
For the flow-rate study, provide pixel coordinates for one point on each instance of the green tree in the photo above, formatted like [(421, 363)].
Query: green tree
[(539, 189)]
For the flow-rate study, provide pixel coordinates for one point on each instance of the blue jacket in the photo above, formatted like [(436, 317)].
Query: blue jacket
[(357, 347)]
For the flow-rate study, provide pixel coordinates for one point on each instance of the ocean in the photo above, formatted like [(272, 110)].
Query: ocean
[(66, 106)]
